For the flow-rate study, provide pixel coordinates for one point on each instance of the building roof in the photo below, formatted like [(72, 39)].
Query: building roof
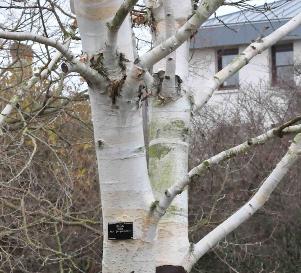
[(244, 26), (278, 10)]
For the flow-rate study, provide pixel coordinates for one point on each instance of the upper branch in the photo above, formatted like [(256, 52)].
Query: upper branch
[(204, 11), (27, 36), (243, 59), (121, 14), (91, 75)]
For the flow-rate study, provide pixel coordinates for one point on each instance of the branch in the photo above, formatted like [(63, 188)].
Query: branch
[(245, 212), (112, 33), (205, 10), (91, 75), (243, 59), (27, 36), (121, 14), (80, 223), (279, 131), (8, 109), (62, 10), (59, 246), (28, 163), (33, 80), (178, 188)]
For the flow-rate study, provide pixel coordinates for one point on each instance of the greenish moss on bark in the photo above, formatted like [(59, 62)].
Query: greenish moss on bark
[(158, 151), (174, 128), (162, 180), (207, 164)]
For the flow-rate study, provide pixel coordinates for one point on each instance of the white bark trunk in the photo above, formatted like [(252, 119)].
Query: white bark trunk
[(126, 195), (168, 136), (125, 189), (168, 162)]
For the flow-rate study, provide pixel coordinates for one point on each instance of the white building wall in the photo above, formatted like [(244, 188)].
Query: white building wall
[(202, 66), (255, 79), (256, 74), (297, 60)]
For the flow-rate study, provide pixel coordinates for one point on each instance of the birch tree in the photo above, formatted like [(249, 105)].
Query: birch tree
[(150, 193)]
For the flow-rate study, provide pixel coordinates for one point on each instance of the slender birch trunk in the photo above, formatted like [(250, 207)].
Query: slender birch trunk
[(168, 134)]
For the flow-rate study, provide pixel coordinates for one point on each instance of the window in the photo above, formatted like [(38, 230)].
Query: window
[(283, 65), (224, 57)]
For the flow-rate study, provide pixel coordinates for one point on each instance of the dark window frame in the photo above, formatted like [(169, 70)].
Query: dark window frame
[(287, 47), (226, 52)]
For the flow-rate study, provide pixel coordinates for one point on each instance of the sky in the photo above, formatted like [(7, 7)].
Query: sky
[(226, 9)]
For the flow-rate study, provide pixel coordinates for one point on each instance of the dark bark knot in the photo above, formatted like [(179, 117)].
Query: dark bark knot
[(170, 269), (158, 81)]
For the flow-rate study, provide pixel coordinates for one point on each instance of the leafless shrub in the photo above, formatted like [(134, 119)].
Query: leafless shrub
[(269, 242)]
